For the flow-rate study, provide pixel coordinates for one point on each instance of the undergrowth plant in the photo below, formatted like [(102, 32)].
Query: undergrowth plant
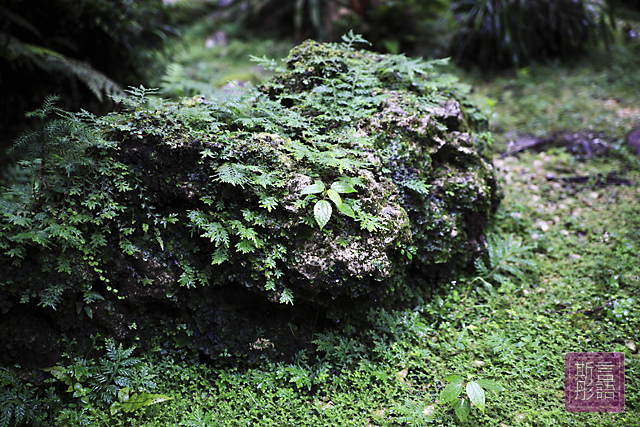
[(472, 391), (117, 381), (322, 208), (506, 258), (19, 402), (499, 33)]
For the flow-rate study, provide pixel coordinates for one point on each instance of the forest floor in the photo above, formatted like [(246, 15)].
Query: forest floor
[(564, 276)]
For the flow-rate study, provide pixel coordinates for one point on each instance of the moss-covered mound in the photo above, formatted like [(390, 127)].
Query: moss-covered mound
[(348, 176)]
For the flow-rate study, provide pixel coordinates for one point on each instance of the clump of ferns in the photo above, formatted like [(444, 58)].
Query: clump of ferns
[(506, 258)]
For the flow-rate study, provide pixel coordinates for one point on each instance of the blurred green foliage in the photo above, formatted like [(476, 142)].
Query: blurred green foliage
[(503, 33), (391, 26), (488, 34), (84, 50)]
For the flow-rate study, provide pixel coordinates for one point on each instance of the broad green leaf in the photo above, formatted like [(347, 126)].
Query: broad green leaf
[(89, 311), (490, 385), (115, 408), (476, 395), (317, 187), (342, 187), (462, 408), (143, 399), (451, 392), (335, 197), (457, 379), (123, 394), (347, 209), (137, 401), (78, 390), (60, 373), (322, 212)]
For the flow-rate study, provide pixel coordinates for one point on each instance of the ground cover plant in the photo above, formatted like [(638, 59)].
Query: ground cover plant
[(561, 275)]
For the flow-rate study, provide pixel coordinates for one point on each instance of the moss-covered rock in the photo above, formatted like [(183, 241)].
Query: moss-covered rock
[(348, 176)]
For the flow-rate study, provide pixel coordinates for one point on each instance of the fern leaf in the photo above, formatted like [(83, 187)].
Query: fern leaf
[(286, 297), (234, 174), (482, 270), (219, 256), (417, 185), (504, 256), (49, 60), (269, 179), (349, 39), (217, 233), (267, 63), (245, 246), (172, 81)]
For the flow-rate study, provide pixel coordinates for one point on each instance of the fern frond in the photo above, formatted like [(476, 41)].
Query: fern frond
[(269, 179), (48, 108), (267, 63), (49, 60), (504, 259), (349, 39), (233, 173), (417, 185), (173, 78), (482, 270), (217, 233)]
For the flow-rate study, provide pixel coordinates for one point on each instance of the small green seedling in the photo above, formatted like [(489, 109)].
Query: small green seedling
[(322, 209), (474, 394)]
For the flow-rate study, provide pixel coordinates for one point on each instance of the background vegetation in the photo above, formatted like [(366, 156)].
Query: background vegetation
[(562, 275), (84, 51)]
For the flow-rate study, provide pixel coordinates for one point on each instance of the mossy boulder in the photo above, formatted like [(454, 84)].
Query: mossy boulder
[(349, 176)]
